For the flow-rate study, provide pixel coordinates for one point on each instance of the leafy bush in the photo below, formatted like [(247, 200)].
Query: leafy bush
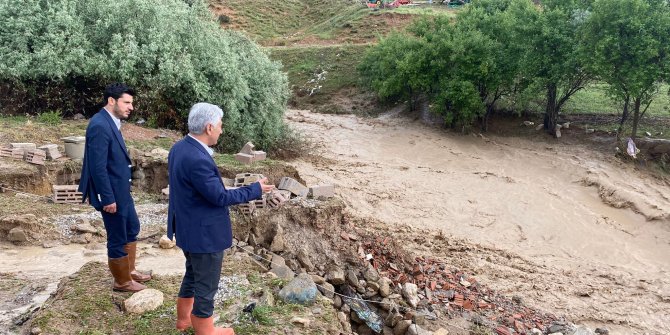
[(60, 54), (50, 117)]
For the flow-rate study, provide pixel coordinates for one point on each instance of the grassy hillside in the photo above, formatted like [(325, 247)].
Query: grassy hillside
[(307, 21)]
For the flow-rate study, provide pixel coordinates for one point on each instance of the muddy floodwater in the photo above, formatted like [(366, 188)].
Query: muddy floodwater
[(597, 229)]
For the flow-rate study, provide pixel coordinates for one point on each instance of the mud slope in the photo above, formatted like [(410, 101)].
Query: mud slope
[(597, 231)]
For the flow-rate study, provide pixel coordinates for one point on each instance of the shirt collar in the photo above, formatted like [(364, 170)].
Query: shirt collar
[(116, 120), (209, 150)]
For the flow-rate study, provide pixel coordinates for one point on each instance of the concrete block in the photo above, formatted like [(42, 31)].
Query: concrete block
[(64, 194), (248, 149), (277, 197), (259, 155), (244, 158), (24, 146), (290, 184), (322, 191), (227, 182), (51, 150), (35, 156), (244, 179)]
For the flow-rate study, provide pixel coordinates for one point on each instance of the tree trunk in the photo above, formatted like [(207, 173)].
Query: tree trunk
[(487, 114), (624, 117), (636, 116), (551, 112)]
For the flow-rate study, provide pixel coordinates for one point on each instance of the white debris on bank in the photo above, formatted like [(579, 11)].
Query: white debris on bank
[(230, 287), (150, 215)]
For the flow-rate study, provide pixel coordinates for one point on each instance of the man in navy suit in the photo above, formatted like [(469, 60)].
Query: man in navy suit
[(105, 182), (198, 216)]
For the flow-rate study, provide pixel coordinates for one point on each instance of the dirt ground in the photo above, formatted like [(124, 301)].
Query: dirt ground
[(575, 231)]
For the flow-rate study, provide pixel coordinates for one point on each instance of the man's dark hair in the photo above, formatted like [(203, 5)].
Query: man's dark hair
[(116, 90)]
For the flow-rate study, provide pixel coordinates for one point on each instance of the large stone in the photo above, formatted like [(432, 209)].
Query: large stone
[(17, 235), (301, 290), (385, 287), (410, 292), (581, 330), (166, 243), (283, 272), (278, 243), (352, 278), (304, 260), (85, 228), (327, 290), (144, 301), (401, 327), (335, 276), (371, 274), (415, 329), (84, 238), (441, 331)]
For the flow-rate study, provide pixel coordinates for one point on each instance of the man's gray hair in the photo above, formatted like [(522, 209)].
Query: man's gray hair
[(200, 115)]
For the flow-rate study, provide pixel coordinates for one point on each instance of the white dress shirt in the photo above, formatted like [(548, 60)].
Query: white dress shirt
[(209, 150), (116, 120)]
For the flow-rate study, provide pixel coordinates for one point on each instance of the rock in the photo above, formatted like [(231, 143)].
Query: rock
[(304, 260), (352, 278), (371, 274), (387, 330), (318, 279), (17, 235), (344, 322), (602, 331), (166, 243), (385, 287), (337, 302), (401, 327), (98, 223), (539, 126), (35, 331), (78, 116), (82, 238), (267, 299), (301, 290), (558, 133), (415, 329), (327, 290), (85, 228), (528, 123), (441, 331), (364, 330), (581, 330), (277, 261), (409, 291), (278, 243), (283, 272), (160, 153), (49, 244), (301, 321), (590, 130), (335, 276), (143, 301)]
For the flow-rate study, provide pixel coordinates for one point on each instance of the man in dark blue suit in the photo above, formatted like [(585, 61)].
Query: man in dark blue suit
[(198, 216), (105, 182)]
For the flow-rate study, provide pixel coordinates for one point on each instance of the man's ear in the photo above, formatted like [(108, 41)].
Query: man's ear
[(111, 101)]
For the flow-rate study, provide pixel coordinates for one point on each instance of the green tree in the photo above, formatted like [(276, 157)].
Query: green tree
[(626, 43), (59, 54), (552, 59)]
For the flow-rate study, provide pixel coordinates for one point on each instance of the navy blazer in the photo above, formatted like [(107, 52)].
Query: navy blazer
[(106, 173), (198, 210)]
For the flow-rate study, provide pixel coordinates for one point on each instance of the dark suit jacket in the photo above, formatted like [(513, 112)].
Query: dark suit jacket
[(198, 211), (106, 173)]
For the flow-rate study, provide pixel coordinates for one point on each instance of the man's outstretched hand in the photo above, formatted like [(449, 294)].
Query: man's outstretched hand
[(265, 186)]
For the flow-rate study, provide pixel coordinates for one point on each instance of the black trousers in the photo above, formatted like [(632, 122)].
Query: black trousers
[(201, 281), (122, 228)]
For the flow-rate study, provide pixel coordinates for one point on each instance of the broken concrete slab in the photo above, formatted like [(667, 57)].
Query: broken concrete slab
[(292, 185), (322, 191)]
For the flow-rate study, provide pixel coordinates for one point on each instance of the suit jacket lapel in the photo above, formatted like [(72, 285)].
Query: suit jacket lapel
[(116, 131)]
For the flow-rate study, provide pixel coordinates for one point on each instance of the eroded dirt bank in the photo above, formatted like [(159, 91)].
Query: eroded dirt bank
[(588, 237)]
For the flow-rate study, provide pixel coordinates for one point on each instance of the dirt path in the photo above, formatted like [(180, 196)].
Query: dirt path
[(587, 236)]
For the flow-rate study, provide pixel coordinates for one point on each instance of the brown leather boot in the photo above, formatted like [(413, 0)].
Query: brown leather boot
[(131, 250), (184, 308), (205, 326), (121, 273)]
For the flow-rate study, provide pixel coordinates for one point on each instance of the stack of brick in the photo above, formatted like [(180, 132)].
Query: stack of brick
[(35, 156), (245, 179), (66, 194), (292, 185), (51, 150), (17, 150), (248, 155)]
